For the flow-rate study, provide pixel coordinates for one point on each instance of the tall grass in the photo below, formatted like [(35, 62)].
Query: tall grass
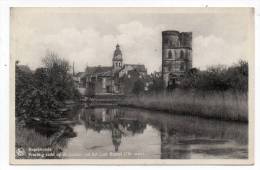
[(218, 105), (30, 139)]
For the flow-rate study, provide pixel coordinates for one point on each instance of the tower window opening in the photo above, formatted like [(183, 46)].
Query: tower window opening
[(116, 64), (182, 54), (182, 67), (170, 68), (170, 54), (187, 56)]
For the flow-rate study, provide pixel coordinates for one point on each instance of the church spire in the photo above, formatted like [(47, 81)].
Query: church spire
[(117, 58), (117, 53)]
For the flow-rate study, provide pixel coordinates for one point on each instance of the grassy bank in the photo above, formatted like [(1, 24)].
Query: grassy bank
[(35, 145), (217, 105), (30, 138)]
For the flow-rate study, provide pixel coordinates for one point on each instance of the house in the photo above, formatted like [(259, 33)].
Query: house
[(79, 79), (100, 79), (140, 68)]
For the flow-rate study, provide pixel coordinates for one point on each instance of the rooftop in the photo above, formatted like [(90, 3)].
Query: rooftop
[(137, 67), (98, 69)]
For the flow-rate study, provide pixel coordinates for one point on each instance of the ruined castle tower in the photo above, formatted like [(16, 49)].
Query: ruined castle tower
[(117, 59), (176, 56)]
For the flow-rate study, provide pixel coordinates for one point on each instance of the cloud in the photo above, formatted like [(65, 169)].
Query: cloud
[(139, 44), (211, 50)]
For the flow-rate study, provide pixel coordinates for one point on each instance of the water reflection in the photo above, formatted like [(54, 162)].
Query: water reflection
[(114, 120), (133, 133)]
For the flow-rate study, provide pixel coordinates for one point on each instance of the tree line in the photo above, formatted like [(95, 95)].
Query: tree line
[(216, 78)]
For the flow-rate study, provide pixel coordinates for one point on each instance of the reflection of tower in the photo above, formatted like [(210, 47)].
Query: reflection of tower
[(164, 142), (104, 111), (116, 136), (176, 56), (117, 59), (171, 148)]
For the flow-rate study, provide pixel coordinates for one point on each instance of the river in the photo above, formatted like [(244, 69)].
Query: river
[(127, 133)]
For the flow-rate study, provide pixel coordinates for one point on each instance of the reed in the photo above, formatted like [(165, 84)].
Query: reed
[(218, 105), (30, 139)]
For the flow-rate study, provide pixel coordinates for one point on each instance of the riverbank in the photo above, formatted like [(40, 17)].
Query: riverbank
[(44, 138), (38, 145), (33, 145), (215, 105)]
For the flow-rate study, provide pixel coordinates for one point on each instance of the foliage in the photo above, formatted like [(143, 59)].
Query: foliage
[(42, 93), (138, 87), (58, 79), (132, 82), (218, 78), (157, 83)]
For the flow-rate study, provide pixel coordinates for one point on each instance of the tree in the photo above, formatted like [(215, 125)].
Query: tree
[(190, 80), (58, 78), (157, 82), (42, 93), (214, 78), (218, 78), (237, 76), (138, 87), (24, 88)]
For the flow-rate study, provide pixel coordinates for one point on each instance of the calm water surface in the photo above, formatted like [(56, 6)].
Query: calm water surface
[(128, 133)]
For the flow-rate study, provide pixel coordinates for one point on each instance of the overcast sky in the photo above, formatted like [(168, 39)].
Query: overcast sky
[(88, 36)]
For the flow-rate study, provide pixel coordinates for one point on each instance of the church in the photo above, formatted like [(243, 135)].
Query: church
[(112, 79)]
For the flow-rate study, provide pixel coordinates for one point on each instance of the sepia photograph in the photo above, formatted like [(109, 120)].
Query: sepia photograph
[(131, 85)]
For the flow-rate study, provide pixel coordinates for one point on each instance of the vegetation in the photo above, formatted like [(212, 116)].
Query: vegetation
[(219, 92), (218, 78), (157, 83), (30, 139), (138, 87), (41, 93), (39, 96), (224, 106)]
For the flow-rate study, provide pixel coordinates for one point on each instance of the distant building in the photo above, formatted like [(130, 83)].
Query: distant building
[(176, 56), (140, 68), (79, 80), (100, 79), (106, 79)]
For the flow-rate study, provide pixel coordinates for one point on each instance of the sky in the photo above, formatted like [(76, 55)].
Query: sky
[(88, 36)]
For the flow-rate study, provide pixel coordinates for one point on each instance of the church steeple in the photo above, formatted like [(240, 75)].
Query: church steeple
[(117, 58)]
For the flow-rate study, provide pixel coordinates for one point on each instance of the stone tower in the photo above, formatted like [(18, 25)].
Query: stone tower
[(117, 59), (176, 56)]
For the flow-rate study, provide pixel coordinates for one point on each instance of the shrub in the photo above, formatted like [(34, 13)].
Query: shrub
[(218, 78), (41, 93)]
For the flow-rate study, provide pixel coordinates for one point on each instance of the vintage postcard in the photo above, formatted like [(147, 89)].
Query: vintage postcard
[(132, 85)]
